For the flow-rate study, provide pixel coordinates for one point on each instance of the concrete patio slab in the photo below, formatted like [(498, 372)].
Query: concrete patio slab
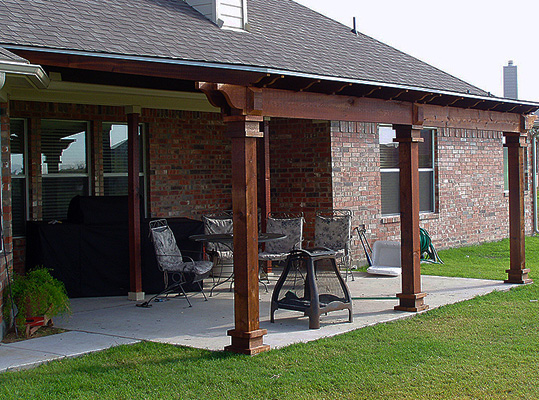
[(99, 323), (28, 353)]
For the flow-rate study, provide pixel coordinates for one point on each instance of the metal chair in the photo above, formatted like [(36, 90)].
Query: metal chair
[(288, 224), (177, 269), (222, 255), (333, 230)]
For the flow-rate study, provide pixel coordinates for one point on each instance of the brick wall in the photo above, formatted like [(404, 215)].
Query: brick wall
[(189, 155), (190, 163), (471, 206), (189, 171), (356, 176), (300, 165)]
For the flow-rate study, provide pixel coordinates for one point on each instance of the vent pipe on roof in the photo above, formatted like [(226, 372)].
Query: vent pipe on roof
[(354, 30), (228, 14)]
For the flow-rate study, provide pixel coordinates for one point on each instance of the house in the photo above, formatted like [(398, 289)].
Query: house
[(213, 87)]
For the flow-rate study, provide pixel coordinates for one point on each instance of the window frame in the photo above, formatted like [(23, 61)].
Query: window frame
[(89, 167), (26, 194), (143, 164), (431, 169)]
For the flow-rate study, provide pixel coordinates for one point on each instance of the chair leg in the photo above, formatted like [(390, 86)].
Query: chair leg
[(185, 294), (202, 290), (177, 285)]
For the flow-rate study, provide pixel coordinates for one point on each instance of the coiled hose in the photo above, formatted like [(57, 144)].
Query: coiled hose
[(428, 252)]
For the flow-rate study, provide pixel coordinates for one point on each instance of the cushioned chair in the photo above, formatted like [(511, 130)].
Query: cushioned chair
[(177, 269), (333, 230), (290, 225)]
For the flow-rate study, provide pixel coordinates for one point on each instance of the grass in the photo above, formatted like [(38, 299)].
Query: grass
[(485, 261), (485, 348)]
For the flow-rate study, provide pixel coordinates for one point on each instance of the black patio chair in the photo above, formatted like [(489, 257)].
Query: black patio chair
[(178, 270)]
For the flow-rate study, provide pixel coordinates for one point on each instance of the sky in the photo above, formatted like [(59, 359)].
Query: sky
[(469, 39)]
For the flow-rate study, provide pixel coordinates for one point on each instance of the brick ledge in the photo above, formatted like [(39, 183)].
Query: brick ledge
[(396, 218)]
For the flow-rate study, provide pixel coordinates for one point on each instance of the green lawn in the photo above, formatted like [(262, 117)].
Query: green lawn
[(486, 261), (485, 348)]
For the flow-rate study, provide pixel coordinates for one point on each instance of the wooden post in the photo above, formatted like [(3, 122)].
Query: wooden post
[(411, 298), (135, 270), (516, 145), (246, 337), (265, 200)]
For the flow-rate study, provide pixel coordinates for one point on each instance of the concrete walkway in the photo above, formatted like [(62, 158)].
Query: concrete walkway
[(100, 323)]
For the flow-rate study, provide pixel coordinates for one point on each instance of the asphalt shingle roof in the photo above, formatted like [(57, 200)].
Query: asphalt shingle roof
[(284, 36), (6, 55)]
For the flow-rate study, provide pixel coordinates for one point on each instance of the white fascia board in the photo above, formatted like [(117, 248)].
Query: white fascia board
[(85, 93), (34, 73)]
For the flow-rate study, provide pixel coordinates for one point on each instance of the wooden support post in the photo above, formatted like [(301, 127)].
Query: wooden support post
[(516, 145), (135, 270), (411, 298), (246, 337), (265, 196)]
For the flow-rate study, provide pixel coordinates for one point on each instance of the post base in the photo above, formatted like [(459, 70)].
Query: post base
[(519, 276), (411, 302), (136, 296), (249, 343)]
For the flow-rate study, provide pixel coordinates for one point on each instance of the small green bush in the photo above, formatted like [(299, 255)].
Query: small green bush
[(35, 294)]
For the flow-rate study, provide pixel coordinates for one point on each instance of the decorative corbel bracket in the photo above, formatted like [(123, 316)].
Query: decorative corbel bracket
[(233, 99)]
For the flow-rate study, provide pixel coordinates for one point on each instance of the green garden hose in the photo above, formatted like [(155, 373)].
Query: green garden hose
[(428, 252)]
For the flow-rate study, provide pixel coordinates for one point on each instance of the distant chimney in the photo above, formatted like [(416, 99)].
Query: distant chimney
[(510, 85), (228, 14)]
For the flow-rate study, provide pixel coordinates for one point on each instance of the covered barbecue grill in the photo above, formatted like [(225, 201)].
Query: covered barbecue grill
[(311, 283)]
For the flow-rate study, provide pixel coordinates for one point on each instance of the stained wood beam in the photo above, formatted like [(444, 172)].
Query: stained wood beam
[(411, 298), (309, 105), (133, 161), (265, 180), (246, 337), (516, 145)]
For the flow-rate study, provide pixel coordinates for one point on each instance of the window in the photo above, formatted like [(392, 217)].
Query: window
[(389, 171), (115, 159), (64, 165), (18, 175)]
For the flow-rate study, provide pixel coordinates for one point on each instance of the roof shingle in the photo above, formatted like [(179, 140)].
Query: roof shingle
[(284, 36)]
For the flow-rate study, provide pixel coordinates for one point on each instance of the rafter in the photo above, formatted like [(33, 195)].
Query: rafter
[(309, 85)]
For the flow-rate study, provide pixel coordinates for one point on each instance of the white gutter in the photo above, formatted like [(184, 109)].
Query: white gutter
[(34, 73), (266, 70)]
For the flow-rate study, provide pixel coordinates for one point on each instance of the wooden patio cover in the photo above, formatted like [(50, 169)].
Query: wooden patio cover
[(244, 108), (245, 98)]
